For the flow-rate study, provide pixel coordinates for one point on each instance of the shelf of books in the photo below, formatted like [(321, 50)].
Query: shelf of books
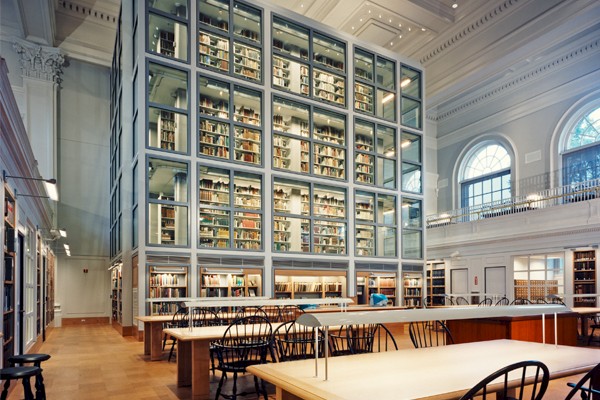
[(436, 284), (363, 98), (8, 327), (329, 87), (166, 43), (166, 282), (247, 61), (116, 283), (584, 278), (214, 51), (365, 240), (167, 130), (247, 145), (290, 75), (167, 224), (243, 282), (303, 284), (214, 139), (413, 289), (369, 283)]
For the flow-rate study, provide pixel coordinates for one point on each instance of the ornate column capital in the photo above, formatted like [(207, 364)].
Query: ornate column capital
[(41, 62)]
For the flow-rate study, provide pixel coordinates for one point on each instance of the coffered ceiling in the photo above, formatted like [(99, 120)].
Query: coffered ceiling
[(468, 51)]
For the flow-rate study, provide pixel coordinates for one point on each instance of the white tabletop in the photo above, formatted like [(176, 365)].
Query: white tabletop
[(443, 372)]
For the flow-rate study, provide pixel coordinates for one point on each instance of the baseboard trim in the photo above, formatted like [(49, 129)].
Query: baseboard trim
[(85, 321)]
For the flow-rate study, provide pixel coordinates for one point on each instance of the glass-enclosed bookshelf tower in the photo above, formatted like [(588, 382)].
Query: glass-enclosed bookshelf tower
[(257, 152)]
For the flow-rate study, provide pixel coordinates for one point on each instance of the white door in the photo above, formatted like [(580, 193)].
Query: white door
[(495, 281)]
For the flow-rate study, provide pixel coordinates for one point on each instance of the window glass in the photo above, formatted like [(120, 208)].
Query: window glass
[(174, 7), (329, 202), (213, 51), (247, 61), (213, 187), (214, 98), (386, 209), (247, 106), (411, 178), (214, 13), (363, 65), (290, 117), (411, 213), (329, 127), (329, 87), (167, 86), (411, 113), (167, 130), (291, 197), (364, 206), (363, 98), (290, 75), (167, 180), (329, 52), (247, 22), (290, 38), (167, 37), (386, 105), (410, 82), (412, 244), (386, 241), (386, 75), (411, 147)]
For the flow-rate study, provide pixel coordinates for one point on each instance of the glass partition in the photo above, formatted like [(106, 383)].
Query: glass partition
[(167, 37), (167, 86), (329, 52)]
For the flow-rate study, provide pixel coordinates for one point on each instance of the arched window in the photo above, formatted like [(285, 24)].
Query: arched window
[(486, 175), (581, 155)]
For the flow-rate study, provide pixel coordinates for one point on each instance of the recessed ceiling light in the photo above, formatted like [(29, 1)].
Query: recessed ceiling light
[(361, 20), (399, 36), (423, 29), (391, 43), (455, 5), (369, 11), (390, 20), (352, 28)]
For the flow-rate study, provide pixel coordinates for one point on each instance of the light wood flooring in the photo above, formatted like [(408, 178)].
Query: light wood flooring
[(95, 362)]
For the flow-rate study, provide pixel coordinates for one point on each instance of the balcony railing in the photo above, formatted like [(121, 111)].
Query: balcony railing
[(534, 201)]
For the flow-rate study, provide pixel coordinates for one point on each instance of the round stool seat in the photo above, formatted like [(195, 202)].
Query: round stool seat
[(18, 372), (28, 358)]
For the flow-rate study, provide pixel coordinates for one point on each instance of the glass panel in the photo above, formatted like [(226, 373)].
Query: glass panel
[(410, 82), (521, 263), (214, 98), (247, 61), (411, 178), (411, 113), (247, 106), (537, 262), (365, 206), (247, 234), (411, 213), (386, 172), (291, 234), (329, 237), (213, 139), (365, 240), (329, 127), (167, 224), (291, 154), (363, 65), (246, 22), (247, 189), (386, 76), (167, 130), (411, 147), (167, 180), (167, 86), (411, 244), (214, 51), (363, 98), (329, 161), (386, 242), (175, 7), (329, 52), (213, 228), (167, 37), (247, 145), (364, 168), (213, 187), (386, 141), (215, 13), (290, 38), (329, 87), (386, 209), (291, 197), (386, 105), (329, 202), (364, 133), (290, 117), (290, 75)]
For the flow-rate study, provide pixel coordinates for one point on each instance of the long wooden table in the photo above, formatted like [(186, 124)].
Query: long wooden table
[(585, 313), (153, 327), (444, 372)]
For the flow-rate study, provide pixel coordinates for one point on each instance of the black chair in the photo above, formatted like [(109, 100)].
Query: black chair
[(296, 342), (485, 302), (429, 334), (362, 338), (36, 359), (540, 300), (179, 320), (273, 313), (25, 374), (554, 299), (588, 387), (243, 312), (461, 301), (246, 341), (520, 301), (290, 313), (205, 317), (504, 301), (537, 384), (594, 325)]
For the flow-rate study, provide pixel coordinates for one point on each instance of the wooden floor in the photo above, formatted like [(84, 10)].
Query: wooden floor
[(95, 362)]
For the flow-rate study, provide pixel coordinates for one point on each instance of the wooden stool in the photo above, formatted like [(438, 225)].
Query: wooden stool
[(23, 373), (36, 359)]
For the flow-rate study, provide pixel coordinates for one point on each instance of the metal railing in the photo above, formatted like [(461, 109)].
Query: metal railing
[(557, 196)]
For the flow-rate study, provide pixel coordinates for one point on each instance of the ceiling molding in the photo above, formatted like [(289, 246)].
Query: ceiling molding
[(538, 73), (471, 29), (87, 12)]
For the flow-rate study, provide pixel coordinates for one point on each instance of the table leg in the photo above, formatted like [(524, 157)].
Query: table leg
[(156, 341), (200, 378), (281, 394), (184, 363), (147, 338)]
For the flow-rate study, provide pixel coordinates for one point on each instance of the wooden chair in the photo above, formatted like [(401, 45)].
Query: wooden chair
[(485, 302), (536, 385), (588, 387), (247, 341), (504, 301), (429, 334), (179, 320), (296, 342)]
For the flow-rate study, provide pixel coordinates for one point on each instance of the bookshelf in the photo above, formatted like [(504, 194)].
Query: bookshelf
[(167, 224), (302, 284), (214, 51), (214, 139), (247, 61), (166, 43), (247, 145), (369, 283), (365, 240), (436, 284), (329, 237), (412, 284), (584, 277), (9, 318), (329, 87), (166, 282), (214, 228), (243, 282), (167, 130), (116, 284), (290, 75), (363, 98), (329, 161)]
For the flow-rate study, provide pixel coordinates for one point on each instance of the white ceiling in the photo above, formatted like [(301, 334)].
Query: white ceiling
[(468, 52)]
